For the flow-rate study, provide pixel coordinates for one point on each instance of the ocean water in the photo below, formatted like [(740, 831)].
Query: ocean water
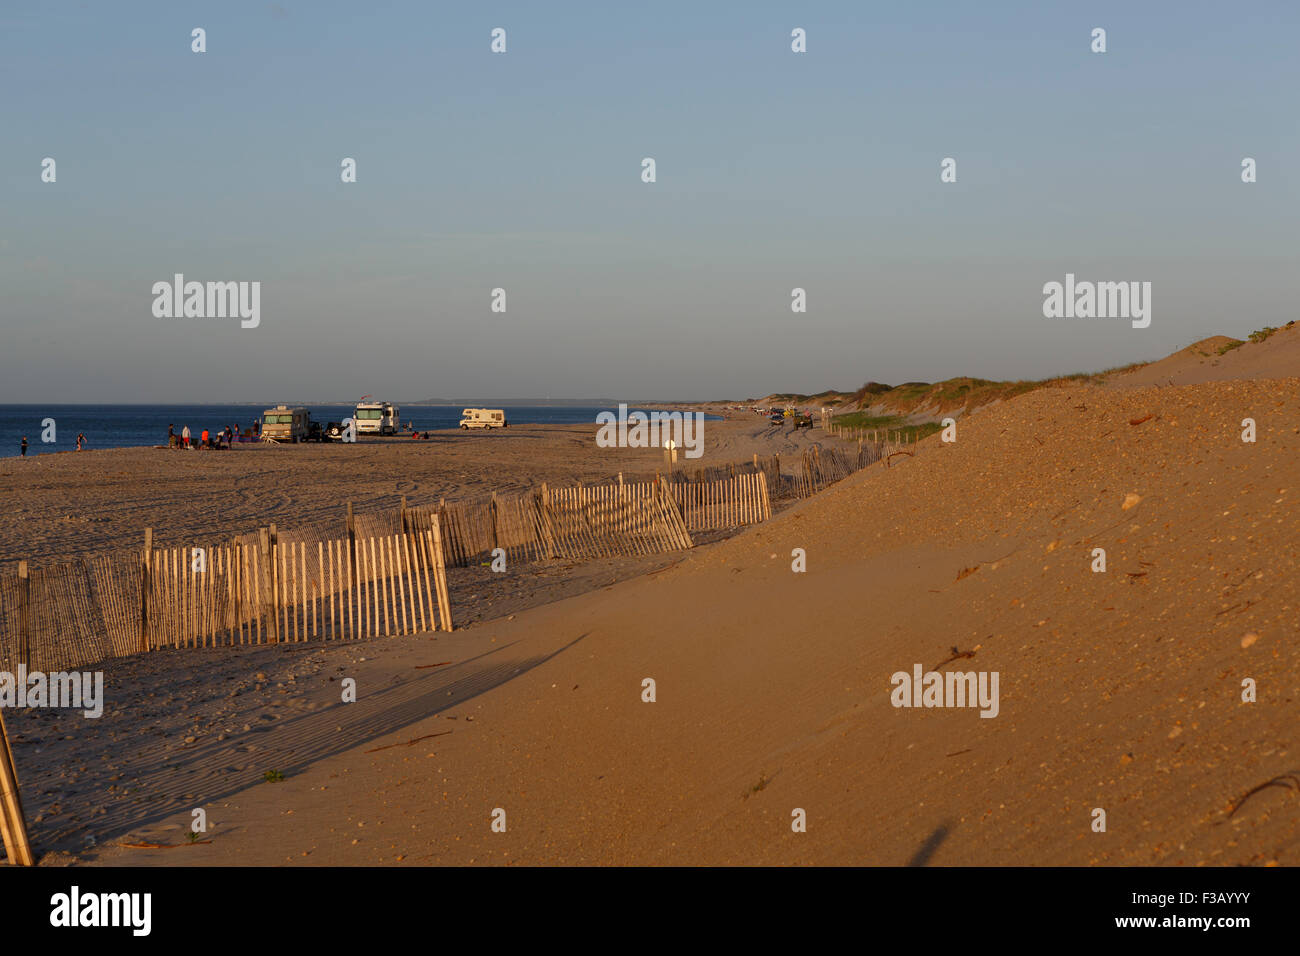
[(123, 426)]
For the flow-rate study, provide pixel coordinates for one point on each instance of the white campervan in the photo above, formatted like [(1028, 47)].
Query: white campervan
[(376, 418), (283, 423), (483, 418)]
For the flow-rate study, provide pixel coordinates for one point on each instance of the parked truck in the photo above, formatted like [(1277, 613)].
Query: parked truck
[(376, 418), (285, 423)]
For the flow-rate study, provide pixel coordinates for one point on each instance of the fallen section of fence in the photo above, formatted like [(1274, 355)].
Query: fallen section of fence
[(576, 523)]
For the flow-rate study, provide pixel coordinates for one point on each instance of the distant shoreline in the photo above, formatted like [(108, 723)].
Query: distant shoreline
[(465, 403)]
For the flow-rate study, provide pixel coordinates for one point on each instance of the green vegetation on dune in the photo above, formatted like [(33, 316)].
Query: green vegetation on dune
[(896, 425), (1259, 335), (899, 402), (1095, 378), (797, 398), (869, 389), (964, 393), (949, 395)]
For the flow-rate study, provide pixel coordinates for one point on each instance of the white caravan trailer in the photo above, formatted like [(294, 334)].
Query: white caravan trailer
[(483, 418), (376, 418)]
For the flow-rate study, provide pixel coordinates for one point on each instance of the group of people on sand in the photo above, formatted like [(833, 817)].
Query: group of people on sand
[(408, 426), (22, 448), (214, 441)]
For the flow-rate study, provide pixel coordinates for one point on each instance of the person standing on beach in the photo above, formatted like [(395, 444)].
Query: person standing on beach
[(171, 436), (80, 438), (185, 436), (24, 446)]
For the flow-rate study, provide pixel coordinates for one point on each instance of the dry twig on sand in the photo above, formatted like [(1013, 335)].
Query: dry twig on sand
[(957, 655), (1288, 781), (407, 743)]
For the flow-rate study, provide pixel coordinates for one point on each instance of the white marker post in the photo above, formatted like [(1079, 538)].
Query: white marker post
[(670, 455)]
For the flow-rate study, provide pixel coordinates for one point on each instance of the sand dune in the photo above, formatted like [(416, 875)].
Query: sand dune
[(1119, 690), (1278, 356)]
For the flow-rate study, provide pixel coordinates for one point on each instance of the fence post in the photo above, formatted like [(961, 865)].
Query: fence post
[(270, 554), (237, 572), (24, 615), (403, 514), (146, 586), (279, 582), (544, 504), (352, 541), (493, 512), (440, 573), (442, 520), (13, 828)]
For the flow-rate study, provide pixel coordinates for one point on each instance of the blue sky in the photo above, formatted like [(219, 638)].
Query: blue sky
[(522, 171)]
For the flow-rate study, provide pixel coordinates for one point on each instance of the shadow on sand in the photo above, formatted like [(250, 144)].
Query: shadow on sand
[(927, 849), (165, 781)]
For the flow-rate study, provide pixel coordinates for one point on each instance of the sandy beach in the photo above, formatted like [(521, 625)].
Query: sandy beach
[(1119, 690), (356, 364), (71, 503)]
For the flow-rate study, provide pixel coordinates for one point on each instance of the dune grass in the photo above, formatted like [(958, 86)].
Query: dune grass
[(895, 424)]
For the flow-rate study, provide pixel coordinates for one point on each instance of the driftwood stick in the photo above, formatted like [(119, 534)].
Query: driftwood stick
[(407, 743)]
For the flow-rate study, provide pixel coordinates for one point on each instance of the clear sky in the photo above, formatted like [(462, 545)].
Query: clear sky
[(523, 171)]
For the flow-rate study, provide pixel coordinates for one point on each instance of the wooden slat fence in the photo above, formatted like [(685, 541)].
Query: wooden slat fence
[(820, 466), (724, 503), (220, 594), (381, 573), (580, 522)]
